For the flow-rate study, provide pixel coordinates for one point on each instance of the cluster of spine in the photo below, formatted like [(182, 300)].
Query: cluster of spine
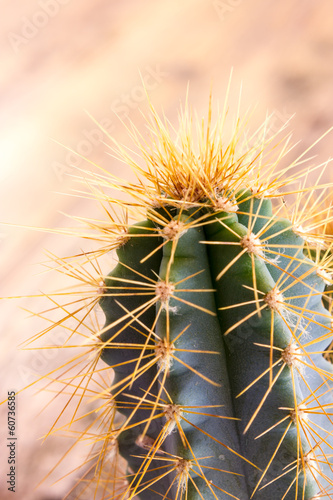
[(217, 328)]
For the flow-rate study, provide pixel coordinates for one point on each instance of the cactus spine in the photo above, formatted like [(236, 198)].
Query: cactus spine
[(216, 327)]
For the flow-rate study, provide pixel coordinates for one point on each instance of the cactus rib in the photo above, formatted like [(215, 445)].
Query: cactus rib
[(214, 353)]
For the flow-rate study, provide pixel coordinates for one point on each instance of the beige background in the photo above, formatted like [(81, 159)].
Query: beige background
[(59, 58)]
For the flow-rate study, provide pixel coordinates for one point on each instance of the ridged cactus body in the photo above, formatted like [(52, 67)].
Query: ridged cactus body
[(198, 381), (212, 364), (121, 287), (236, 314)]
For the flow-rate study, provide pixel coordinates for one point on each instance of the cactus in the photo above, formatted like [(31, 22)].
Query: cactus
[(215, 325)]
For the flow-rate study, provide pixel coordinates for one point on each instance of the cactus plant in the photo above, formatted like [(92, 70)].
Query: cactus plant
[(215, 325)]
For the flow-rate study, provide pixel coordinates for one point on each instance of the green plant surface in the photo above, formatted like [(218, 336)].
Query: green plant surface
[(212, 363)]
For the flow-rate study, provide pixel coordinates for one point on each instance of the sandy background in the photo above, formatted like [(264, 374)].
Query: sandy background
[(59, 58)]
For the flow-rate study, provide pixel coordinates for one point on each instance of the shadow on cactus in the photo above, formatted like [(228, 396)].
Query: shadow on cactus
[(211, 371)]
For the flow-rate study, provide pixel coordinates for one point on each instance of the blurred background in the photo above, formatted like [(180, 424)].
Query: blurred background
[(60, 59)]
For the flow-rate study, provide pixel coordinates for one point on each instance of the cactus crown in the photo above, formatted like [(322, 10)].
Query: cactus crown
[(211, 370)]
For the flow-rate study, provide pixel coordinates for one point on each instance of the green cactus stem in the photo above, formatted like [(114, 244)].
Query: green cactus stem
[(216, 323)]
